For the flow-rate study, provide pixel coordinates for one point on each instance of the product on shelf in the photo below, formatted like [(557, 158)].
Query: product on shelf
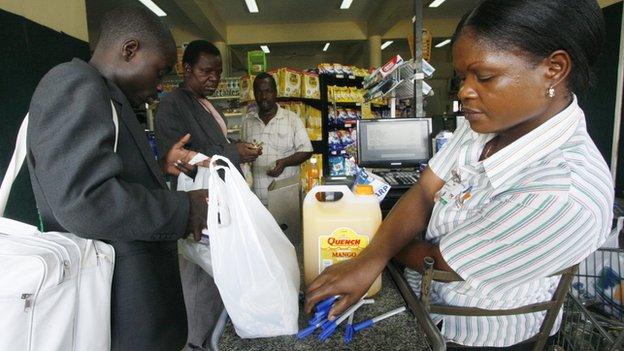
[(310, 86), (228, 87), (380, 73), (179, 67), (288, 83), (426, 43), (345, 94), (314, 173), (304, 170), (336, 69), (314, 123), (336, 166), (246, 88)]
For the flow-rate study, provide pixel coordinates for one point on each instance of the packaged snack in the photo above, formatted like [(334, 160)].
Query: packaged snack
[(338, 69), (297, 108), (352, 114), (288, 83), (345, 138), (246, 88), (326, 68), (333, 142), (310, 86), (350, 166), (336, 166)]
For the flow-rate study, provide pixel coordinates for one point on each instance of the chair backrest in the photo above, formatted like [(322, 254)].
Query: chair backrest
[(551, 307)]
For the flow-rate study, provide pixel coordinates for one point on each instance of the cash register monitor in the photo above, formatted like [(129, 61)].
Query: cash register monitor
[(394, 143)]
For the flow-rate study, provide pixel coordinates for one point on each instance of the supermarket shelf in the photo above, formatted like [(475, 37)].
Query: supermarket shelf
[(223, 97), (302, 99), (349, 104)]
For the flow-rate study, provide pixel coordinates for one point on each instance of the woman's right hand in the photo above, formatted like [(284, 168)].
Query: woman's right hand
[(350, 279)]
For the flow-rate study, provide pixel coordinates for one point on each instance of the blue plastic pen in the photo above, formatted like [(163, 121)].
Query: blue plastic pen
[(349, 330), (367, 323), (309, 330), (326, 304), (348, 337), (329, 327)]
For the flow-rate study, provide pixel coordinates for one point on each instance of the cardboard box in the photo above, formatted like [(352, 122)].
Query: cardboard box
[(285, 206)]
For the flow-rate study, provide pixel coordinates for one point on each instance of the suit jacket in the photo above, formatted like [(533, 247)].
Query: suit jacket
[(83, 187), (180, 113)]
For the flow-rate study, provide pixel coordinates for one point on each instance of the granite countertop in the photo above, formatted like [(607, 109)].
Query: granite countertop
[(399, 332)]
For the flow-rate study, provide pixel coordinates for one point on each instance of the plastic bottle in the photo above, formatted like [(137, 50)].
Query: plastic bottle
[(335, 231), (442, 138), (313, 174)]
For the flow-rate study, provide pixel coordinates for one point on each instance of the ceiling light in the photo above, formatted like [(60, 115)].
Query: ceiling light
[(154, 8), (265, 49), (252, 6), (326, 47), (436, 3), (441, 44), (386, 44), (345, 4)]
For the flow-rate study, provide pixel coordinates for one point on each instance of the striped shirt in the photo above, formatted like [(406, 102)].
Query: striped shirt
[(283, 136), (504, 224)]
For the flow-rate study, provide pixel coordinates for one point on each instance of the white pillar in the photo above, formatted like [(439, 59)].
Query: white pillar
[(374, 50), (225, 57)]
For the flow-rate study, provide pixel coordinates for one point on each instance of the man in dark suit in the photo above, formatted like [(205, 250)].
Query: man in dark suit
[(186, 110), (83, 186)]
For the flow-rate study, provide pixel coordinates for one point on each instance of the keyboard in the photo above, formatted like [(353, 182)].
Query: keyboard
[(399, 178)]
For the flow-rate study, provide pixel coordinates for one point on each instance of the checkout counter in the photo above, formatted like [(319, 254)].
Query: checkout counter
[(400, 332)]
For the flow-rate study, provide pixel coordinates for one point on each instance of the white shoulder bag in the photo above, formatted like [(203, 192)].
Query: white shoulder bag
[(55, 288)]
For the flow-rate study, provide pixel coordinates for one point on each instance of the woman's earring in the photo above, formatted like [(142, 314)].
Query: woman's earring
[(551, 92)]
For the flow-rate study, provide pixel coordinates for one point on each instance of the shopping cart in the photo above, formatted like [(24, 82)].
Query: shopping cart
[(593, 314)]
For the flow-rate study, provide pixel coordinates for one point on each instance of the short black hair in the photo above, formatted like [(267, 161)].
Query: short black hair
[(196, 48), (539, 28), (263, 75), (139, 23)]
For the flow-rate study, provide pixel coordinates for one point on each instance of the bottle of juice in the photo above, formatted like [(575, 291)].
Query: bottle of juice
[(313, 174), (337, 226)]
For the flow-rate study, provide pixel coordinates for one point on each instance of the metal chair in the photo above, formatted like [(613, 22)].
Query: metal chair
[(421, 307)]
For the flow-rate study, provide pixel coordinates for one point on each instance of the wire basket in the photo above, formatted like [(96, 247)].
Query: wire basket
[(593, 314)]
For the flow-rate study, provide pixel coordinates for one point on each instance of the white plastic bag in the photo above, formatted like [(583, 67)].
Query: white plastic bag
[(254, 264), (196, 252)]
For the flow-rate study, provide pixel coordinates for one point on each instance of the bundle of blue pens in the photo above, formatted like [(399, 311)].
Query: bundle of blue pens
[(328, 327)]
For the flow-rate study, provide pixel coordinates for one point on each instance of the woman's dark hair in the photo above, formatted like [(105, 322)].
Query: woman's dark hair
[(196, 48), (541, 27)]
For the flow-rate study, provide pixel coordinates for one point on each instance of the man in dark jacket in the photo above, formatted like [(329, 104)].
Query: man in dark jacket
[(186, 110), (84, 186)]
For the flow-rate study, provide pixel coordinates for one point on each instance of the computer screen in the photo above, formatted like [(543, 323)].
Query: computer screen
[(394, 143)]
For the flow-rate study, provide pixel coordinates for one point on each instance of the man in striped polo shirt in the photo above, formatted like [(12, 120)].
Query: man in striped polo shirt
[(519, 194)]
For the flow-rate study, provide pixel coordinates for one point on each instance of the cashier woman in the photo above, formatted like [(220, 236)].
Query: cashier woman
[(520, 193)]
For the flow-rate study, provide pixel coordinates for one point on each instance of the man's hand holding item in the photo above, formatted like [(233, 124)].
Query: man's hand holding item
[(278, 169), (248, 152)]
